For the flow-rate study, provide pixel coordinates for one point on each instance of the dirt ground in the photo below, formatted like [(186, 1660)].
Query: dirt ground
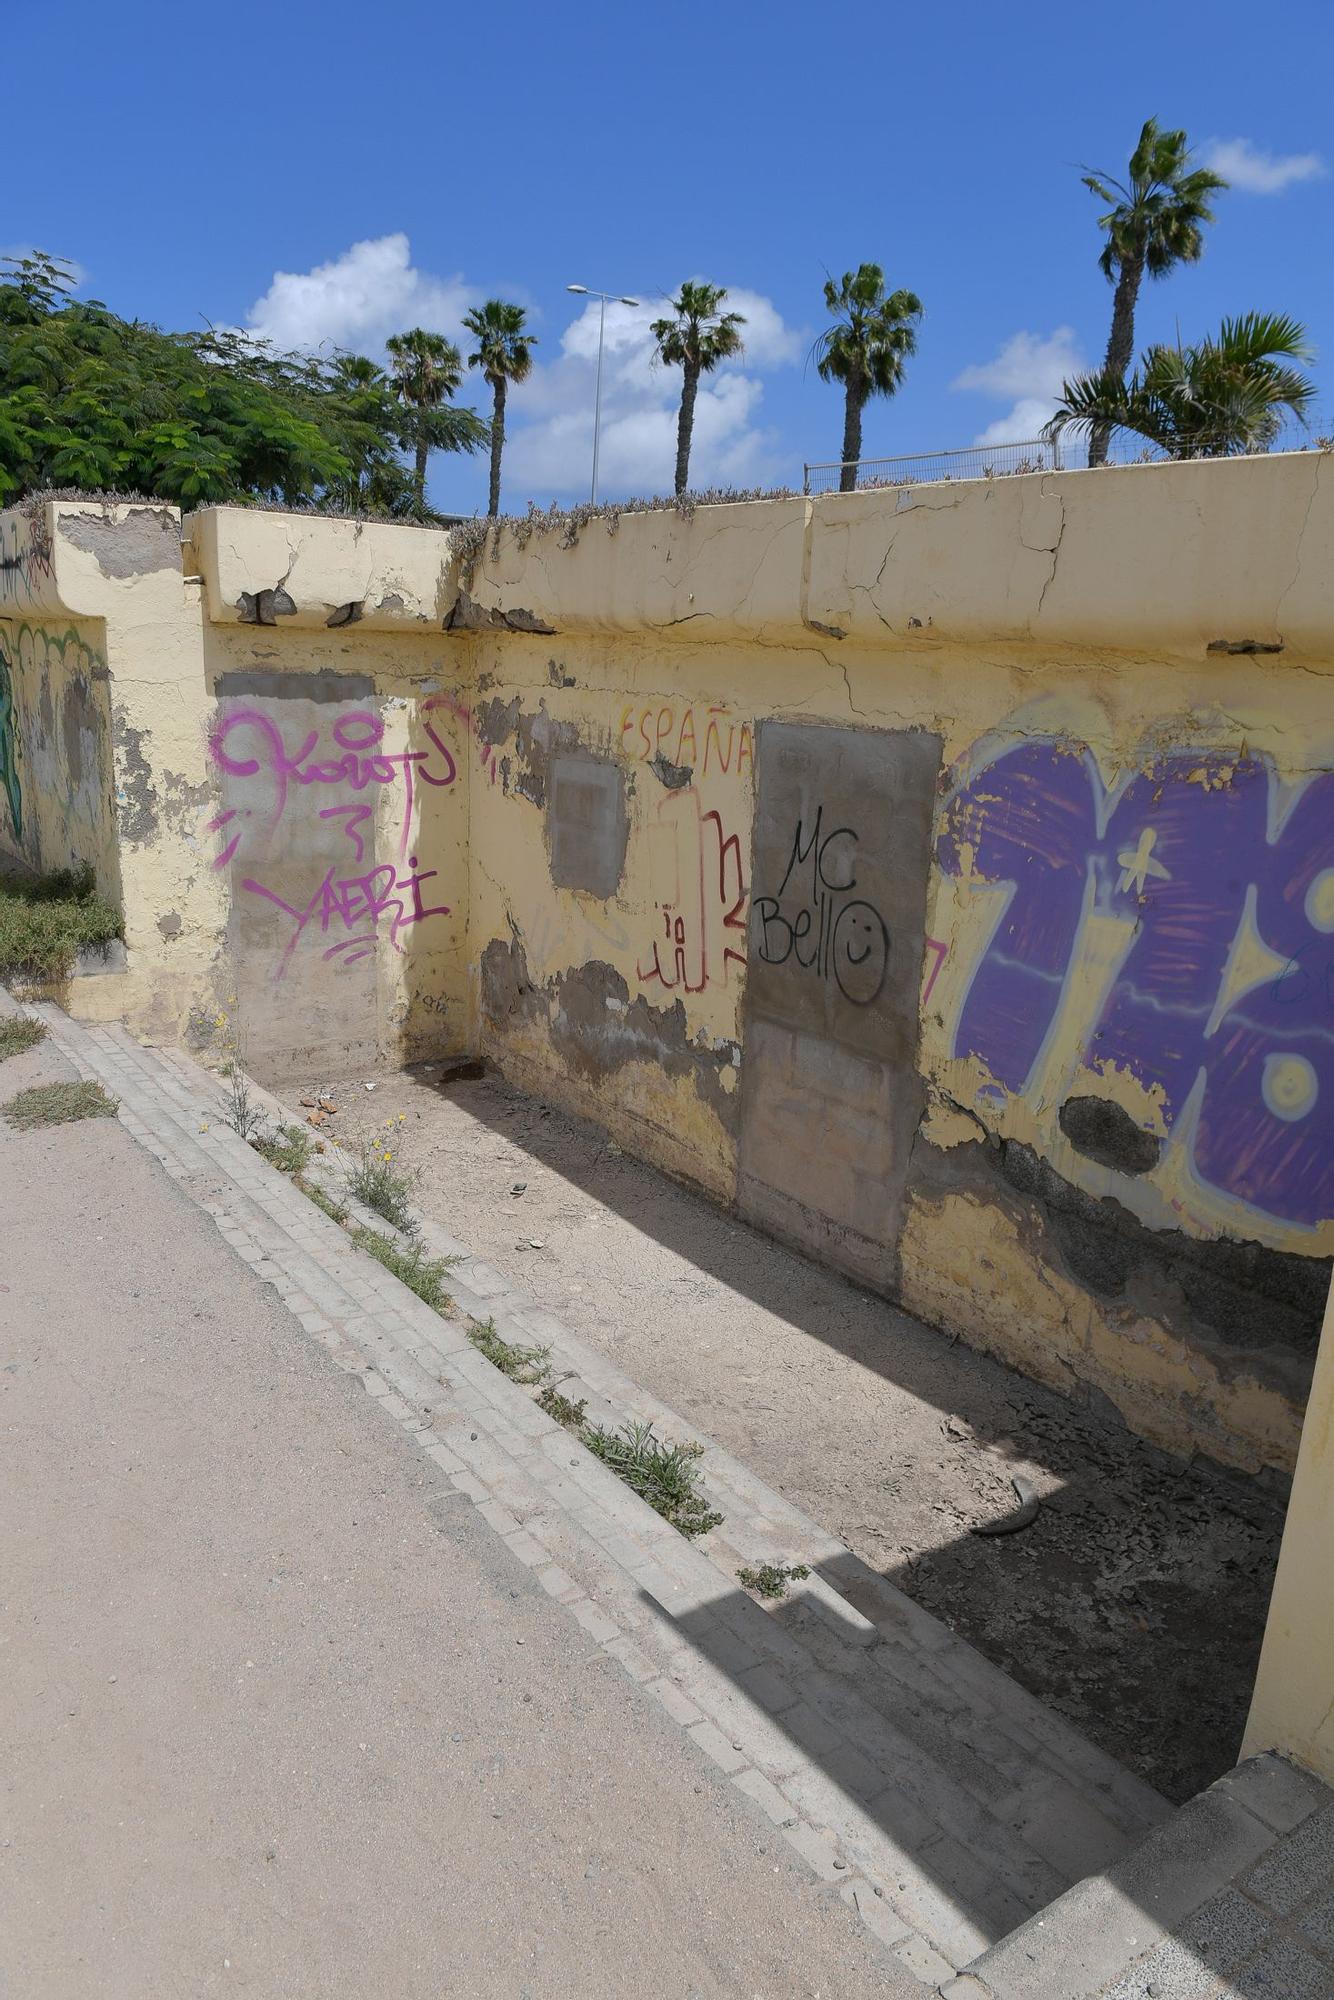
[(1136, 1602)]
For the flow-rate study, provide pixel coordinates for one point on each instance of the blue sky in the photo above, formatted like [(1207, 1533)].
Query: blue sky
[(334, 172)]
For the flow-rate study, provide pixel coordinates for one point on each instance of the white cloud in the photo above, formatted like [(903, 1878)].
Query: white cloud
[(357, 299), (374, 289), (550, 444), (1248, 167), (1028, 372)]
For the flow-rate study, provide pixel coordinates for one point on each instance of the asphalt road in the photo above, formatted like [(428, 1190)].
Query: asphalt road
[(280, 1715)]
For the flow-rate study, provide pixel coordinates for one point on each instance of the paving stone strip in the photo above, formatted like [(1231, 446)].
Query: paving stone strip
[(1231, 1900), (944, 1802)]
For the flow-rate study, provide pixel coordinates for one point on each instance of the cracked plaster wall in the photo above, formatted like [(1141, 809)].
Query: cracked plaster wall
[(1065, 1200), (56, 807)]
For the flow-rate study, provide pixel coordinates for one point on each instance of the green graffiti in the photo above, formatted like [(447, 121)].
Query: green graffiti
[(9, 746)]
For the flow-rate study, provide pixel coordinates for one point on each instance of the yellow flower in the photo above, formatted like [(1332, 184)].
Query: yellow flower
[(203, 1128), (402, 1117), (221, 1021)]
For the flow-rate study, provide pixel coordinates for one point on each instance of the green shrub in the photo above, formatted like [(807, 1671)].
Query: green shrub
[(521, 1364), (662, 1474), (421, 1274), (287, 1149), (46, 923), (383, 1186)]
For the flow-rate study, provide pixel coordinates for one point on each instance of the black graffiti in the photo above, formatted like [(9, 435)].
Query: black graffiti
[(825, 928)]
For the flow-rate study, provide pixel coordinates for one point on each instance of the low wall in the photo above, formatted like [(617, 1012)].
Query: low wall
[(56, 804), (945, 875)]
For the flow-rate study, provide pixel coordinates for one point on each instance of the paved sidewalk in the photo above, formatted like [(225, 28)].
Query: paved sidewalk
[(944, 1804), (1232, 1900), (282, 1715)]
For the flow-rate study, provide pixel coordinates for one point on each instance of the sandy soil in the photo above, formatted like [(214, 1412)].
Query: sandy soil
[(1135, 1604)]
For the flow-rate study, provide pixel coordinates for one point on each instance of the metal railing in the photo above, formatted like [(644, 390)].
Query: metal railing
[(1002, 461)]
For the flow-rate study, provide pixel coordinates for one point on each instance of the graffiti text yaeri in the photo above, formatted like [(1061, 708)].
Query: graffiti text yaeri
[(357, 900)]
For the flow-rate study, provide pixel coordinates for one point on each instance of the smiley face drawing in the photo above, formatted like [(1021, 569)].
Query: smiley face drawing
[(859, 953)]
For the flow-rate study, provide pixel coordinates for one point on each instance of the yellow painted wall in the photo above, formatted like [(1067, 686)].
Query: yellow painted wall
[(1293, 1708), (1117, 667)]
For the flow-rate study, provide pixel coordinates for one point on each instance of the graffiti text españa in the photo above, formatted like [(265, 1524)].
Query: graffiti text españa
[(699, 740)]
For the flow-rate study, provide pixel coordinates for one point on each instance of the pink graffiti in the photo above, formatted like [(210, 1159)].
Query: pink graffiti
[(942, 952), (361, 760), (357, 903)]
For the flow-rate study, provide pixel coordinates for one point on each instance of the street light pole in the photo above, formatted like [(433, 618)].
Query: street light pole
[(602, 297)]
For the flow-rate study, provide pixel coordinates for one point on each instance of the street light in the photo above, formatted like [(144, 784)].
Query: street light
[(584, 293)]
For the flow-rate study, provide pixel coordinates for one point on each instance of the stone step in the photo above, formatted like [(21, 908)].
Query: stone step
[(1209, 1904), (902, 1766)]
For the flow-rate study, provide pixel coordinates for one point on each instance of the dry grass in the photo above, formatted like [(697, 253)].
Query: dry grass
[(58, 1104)]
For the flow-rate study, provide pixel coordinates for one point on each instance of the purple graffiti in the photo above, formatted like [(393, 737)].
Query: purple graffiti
[(361, 759), (357, 903), (1195, 853)]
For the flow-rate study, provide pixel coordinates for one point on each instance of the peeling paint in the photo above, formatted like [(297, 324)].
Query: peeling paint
[(136, 797), (596, 1029), (673, 776), (136, 544), (265, 607)]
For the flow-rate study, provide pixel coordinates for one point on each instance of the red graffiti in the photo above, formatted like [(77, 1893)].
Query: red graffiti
[(704, 901)]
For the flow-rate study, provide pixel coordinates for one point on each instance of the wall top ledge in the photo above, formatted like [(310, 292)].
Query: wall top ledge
[(1220, 555), (312, 571), (1176, 558), (88, 558)]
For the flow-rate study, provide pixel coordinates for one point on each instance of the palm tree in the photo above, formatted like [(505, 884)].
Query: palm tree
[(866, 349), (504, 353), (426, 370), (695, 340), (1155, 219), (1222, 396)]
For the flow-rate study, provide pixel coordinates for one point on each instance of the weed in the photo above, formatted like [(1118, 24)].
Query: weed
[(521, 1364), (19, 1033), (58, 1104), (662, 1474), (314, 1192), (383, 1186), (421, 1274), (46, 923), (287, 1149), (244, 1117), (771, 1579), (561, 1408)]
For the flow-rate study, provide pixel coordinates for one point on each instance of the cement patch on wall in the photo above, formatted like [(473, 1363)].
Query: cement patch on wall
[(588, 827), (326, 684), (831, 1095)]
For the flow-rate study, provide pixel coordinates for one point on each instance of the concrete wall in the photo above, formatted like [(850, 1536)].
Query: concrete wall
[(1293, 1708), (944, 875), (55, 718), (1021, 792)]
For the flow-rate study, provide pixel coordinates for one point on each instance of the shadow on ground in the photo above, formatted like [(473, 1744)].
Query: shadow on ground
[(1134, 1605)]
